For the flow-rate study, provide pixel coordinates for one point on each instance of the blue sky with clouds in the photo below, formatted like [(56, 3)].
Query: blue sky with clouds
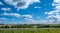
[(29, 11)]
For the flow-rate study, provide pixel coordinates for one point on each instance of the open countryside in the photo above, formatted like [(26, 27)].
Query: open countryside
[(30, 30)]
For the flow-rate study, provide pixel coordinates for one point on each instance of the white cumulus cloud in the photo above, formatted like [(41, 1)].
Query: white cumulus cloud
[(37, 7), (27, 16), (5, 9), (2, 19), (20, 4), (11, 14), (1, 3), (54, 16)]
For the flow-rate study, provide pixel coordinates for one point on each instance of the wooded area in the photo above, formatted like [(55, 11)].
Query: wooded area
[(30, 26)]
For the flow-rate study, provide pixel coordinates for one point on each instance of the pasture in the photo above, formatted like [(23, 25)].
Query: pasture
[(29, 30)]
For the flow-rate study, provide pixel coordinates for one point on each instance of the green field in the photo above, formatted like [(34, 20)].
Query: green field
[(29, 30)]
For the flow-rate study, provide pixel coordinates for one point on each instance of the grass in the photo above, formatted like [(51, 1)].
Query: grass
[(29, 30)]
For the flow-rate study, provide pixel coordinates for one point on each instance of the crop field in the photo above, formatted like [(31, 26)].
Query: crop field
[(29, 30)]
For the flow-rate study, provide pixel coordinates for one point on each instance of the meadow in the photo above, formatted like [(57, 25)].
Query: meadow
[(29, 30)]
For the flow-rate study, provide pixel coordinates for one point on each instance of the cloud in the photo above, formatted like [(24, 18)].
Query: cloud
[(11, 14), (46, 12), (37, 7), (55, 11), (56, 1), (1, 3), (27, 16), (16, 15), (54, 16), (23, 19), (5, 9), (20, 4), (27, 19), (2, 19)]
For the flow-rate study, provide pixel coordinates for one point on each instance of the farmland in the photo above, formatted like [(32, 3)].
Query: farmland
[(29, 30)]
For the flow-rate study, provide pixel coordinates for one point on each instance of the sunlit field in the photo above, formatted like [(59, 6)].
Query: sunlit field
[(29, 30)]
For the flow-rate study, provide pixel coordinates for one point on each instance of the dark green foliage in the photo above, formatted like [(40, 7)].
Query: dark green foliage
[(31, 26)]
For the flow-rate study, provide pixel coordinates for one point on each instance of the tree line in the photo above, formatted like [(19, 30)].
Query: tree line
[(30, 26)]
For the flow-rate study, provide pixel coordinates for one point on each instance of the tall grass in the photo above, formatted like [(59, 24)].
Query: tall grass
[(30, 30)]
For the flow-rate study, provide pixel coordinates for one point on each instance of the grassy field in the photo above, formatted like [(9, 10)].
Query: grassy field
[(29, 30)]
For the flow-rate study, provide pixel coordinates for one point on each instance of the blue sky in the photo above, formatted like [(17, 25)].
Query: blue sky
[(29, 11)]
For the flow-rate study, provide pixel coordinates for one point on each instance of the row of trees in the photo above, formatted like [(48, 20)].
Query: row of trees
[(31, 26)]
